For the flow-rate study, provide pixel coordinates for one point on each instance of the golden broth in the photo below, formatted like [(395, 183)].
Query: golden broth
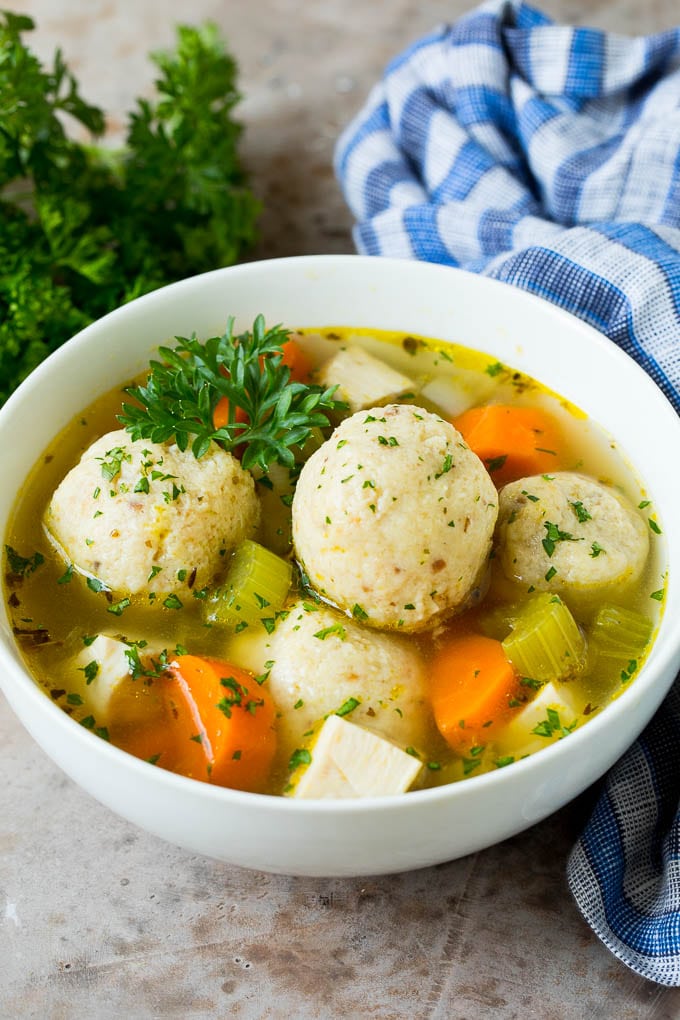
[(52, 610)]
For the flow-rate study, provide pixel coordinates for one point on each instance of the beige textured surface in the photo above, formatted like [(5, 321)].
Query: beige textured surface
[(100, 920)]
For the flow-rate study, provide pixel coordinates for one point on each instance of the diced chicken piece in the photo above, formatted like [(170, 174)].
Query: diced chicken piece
[(547, 717), (447, 394), (322, 659), (362, 380), (349, 761), (104, 665)]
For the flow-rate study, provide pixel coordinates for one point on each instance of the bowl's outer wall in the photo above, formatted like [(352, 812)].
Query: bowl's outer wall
[(357, 837)]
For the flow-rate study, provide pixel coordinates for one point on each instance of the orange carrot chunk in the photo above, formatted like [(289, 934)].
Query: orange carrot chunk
[(513, 442), (221, 414), (224, 722), (473, 688), (297, 360)]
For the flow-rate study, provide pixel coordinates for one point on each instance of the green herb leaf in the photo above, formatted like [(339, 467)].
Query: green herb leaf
[(22, 566), (336, 628), (118, 608), (555, 535), (85, 229), (182, 389), (90, 670), (300, 756), (348, 706)]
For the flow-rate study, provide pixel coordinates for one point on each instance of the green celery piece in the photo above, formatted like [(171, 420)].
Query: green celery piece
[(498, 621), (255, 587), (620, 633), (545, 642)]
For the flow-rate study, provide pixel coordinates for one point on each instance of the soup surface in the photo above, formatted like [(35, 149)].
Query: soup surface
[(457, 570)]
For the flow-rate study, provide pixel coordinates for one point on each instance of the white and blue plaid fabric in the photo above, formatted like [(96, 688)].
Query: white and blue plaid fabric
[(549, 157)]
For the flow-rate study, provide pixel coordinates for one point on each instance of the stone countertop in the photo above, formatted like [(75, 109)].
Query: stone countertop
[(101, 920)]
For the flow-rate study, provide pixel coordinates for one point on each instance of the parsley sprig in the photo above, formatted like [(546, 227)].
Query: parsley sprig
[(83, 227), (183, 388)]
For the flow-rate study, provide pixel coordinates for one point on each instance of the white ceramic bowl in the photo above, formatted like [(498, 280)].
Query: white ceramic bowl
[(386, 834)]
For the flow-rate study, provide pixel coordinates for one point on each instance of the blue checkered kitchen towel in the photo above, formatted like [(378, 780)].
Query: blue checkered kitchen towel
[(549, 157)]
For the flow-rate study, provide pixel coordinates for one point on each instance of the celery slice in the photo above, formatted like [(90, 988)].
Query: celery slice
[(545, 642), (620, 633), (255, 587), (498, 621)]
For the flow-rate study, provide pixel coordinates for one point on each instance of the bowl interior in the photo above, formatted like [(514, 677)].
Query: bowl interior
[(522, 331)]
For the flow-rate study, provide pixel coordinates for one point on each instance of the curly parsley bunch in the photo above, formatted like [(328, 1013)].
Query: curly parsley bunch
[(84, 229)]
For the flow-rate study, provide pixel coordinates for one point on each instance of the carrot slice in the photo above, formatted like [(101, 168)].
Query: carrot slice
[(473, 687), (293, 357), (297, 360), (512, 441), (221, 413), (224, 723)]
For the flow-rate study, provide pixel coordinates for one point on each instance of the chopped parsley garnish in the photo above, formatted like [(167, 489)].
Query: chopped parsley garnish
[(348, 706), (112, 467), (90, 670), (629, 672), (23, 566), (495, 463), (552, 725), (300, 756), (446, 466), (555, 535), (67, 576), (117, 608), (95, 585), (533, 685), (235, 697), (494, 369), (581, 513), (335, 628)]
